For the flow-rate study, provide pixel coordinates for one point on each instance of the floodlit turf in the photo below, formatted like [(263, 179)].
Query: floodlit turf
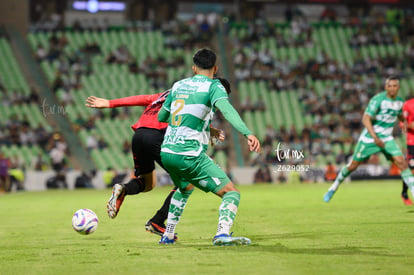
[(365, 229)]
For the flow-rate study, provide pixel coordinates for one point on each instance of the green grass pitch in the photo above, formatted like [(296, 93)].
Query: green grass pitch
[(365, 229)]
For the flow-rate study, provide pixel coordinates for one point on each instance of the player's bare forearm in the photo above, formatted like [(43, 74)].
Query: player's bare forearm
[(97, 102), (366, 121)]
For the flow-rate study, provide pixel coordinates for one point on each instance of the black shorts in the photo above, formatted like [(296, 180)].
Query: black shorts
[(146, 149), (410, 156)]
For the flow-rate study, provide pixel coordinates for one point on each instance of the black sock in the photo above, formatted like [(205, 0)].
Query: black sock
[(134, 186), (404, 189), (162, 213)]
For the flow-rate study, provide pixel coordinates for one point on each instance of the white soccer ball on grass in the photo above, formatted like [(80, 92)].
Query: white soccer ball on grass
[(85, 221)]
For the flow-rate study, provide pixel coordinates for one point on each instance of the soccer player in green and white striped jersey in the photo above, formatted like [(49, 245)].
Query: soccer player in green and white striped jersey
[(379, 118), (188, 110)]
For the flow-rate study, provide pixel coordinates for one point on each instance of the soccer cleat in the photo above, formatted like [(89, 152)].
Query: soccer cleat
[(152, 227), (166, 240), (328, 196), (406, 199), (226, 240), (155, 228), (115, 201)]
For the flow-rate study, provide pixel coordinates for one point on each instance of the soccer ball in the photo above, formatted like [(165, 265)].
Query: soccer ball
[(85, 221)]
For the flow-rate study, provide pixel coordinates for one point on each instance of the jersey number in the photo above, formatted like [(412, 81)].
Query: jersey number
[(176, 119)]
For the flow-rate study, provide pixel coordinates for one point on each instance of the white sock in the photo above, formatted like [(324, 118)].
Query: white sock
[(339, 178), (223, 228), (334, 185), (170, 231)]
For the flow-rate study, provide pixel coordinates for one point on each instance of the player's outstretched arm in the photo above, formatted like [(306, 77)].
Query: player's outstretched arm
[(231, 115), (97, 102)]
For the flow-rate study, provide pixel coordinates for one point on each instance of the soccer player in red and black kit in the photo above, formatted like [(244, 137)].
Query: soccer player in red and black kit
[(146, 148), (408, 112)]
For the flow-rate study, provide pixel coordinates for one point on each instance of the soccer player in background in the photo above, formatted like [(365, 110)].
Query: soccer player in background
[(408, 112), (5, 165), (146, 146), (379, 118), (188, 110)]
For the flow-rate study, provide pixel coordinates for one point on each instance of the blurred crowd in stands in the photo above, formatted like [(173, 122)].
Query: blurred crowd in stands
[(335, 115), (72, 65), (16, 97), (177, 34), (19, 132)]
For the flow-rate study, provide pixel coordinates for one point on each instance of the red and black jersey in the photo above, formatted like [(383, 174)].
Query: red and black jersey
[(149, 118), (408, 111)]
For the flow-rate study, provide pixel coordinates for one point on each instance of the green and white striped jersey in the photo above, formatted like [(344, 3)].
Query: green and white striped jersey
[(385, 112), (191, 107)]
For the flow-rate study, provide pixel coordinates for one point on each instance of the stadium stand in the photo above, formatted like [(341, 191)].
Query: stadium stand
[(293, 78), (24, 130), (112, 64), (305, 73)]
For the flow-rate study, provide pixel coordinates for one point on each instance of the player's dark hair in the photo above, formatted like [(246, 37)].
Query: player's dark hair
[(226, 84), (393, 77), (204, 59)]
